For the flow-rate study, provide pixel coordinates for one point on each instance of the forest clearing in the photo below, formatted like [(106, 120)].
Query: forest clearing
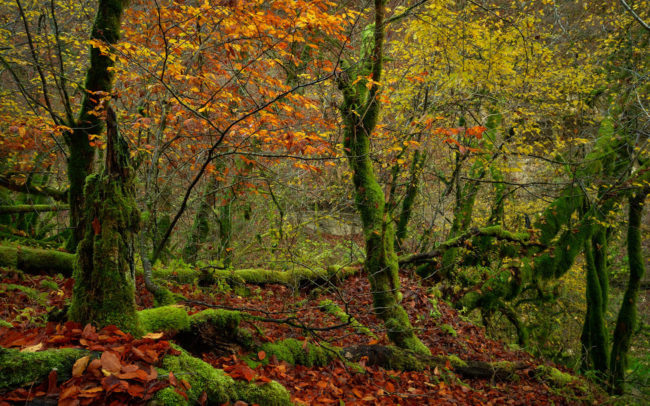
[(388, 202)]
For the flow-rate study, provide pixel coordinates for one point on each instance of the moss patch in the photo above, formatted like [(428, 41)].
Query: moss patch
[(298, 352), (166, 318)]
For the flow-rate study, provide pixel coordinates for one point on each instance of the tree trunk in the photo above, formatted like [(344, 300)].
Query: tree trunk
[(98, 83), (627, 317), (360, 112), (104, 290)]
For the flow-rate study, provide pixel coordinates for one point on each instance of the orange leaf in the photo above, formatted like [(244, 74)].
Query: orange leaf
[(172, 379), (153, 336), (261, 355)]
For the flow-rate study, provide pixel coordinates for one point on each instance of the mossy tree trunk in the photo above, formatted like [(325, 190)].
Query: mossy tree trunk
[(360, 112), (104, 290), (594, 333), (98, 83), (627, 317)]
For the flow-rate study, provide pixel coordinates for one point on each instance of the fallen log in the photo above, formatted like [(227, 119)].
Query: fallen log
[(31, 208), (36, 260)]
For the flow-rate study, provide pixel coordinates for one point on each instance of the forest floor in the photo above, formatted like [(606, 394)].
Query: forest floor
[(26, 300)]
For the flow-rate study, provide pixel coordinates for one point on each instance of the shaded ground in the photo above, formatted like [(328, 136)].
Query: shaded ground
[(439, 326)]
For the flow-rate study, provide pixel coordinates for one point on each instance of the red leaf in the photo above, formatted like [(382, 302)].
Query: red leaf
[(97, 226)]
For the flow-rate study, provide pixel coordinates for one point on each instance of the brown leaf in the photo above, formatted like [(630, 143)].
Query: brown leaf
[(80, 366), (153, 336), (110, 362), (261, 355), (172, 379), (70, 392)]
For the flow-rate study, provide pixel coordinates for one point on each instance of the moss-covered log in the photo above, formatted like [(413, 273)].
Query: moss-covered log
[(627, 315), (298, 277), (104, 290), (36, 261), (30, 208)]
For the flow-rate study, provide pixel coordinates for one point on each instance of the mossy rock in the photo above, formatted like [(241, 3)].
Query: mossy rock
[(165, 318), (22, 368)]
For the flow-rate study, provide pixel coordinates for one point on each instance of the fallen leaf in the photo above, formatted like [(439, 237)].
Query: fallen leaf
[(33, 348), (154, 336), (261, 355), (80, 366), (110, 362)]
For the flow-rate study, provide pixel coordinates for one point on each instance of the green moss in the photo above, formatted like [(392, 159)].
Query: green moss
[(449, 330), (224, 319), (49, 284), (165, 297), (4, 323), (31, 293), (166, 318), (558, 378), (22, 368), (202, 377), (455, 361), (297, 352), (269, 394)]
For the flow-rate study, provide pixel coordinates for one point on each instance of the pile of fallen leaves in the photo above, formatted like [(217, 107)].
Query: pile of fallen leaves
[(118, 370)]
